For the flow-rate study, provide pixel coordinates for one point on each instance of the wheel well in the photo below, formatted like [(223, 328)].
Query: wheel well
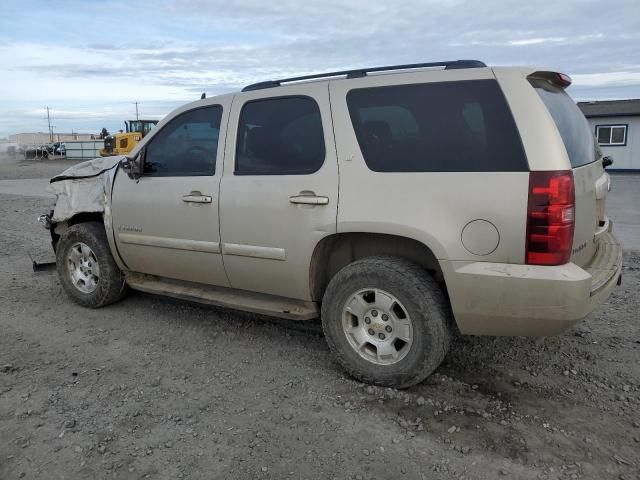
[(339, 250), (58, 229)]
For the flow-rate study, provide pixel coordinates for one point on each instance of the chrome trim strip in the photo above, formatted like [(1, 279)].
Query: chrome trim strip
[(175, 243), (256, 251)]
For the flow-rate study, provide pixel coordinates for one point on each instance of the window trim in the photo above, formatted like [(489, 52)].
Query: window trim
[(284, 172), (612, 126), (143, 152)]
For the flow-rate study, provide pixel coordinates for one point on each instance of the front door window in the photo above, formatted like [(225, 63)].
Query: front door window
[(186, 146)]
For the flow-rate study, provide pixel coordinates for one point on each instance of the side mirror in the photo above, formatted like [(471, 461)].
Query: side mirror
[(607, 161), (132, 166)]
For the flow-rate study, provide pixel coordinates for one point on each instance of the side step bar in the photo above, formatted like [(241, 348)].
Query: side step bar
[(225, 297)]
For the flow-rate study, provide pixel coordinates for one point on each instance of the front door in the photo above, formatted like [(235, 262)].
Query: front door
[(166, 222), (279, 191)]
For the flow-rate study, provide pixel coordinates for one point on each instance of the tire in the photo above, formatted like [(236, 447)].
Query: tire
[(385, 281), (93, 288)]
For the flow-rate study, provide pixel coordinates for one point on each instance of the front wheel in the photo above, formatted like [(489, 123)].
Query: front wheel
[(86, 268), (386, 321)]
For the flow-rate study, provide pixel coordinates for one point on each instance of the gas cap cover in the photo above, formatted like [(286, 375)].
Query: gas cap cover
[(480, 237)]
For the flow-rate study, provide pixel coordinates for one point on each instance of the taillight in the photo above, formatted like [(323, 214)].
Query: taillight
[(550, 217), (563, 80)]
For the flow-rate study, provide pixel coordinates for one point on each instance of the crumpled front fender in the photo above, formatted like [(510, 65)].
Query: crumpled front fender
[(83, 188)]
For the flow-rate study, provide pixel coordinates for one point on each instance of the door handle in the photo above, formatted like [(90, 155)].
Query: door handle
[(311, 199), (197, 198)]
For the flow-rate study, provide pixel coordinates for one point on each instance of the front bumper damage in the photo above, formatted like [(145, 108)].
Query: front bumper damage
[(45, 220), (81, 189)]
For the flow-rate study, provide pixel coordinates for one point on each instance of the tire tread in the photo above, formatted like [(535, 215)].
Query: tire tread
[(112, 286), (434, 310)]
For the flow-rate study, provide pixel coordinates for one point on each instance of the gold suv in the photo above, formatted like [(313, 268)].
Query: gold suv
[(399, 204)]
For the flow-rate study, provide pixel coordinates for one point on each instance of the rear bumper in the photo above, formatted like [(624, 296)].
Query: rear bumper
[(505, 299)]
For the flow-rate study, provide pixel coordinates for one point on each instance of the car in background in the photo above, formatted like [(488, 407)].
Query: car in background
[(59, 148), (45, 150)]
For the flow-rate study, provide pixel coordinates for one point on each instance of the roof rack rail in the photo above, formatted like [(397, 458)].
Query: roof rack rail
[(362, 72)]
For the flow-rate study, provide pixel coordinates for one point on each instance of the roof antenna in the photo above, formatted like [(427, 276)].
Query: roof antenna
[(203, 96)]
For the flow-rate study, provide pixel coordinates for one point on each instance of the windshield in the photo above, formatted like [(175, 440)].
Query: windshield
[(571, 123)]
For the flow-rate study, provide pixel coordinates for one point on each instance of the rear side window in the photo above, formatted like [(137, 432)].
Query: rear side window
[(280, 136), (570, 121), (463, 126)]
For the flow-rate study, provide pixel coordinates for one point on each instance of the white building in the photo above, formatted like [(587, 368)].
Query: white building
[(616, 125), (39, 138)]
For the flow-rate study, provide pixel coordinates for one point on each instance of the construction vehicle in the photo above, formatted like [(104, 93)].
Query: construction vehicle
[(123, 142)]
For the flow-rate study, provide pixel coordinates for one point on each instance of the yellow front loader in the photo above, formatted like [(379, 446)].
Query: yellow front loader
[(123, 142)]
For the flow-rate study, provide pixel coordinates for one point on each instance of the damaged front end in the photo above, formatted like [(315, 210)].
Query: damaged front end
[(82, 194), (45, 219)]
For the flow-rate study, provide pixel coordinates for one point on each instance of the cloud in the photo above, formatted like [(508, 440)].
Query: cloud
[(609, 79), (176, 48), (535, 41)]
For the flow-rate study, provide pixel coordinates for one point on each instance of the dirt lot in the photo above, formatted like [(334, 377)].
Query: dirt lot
[(156, 388)]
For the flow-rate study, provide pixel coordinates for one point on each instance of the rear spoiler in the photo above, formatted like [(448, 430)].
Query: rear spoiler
[(561, 80)]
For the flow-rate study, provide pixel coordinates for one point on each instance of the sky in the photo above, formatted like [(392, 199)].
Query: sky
[(89, 61)]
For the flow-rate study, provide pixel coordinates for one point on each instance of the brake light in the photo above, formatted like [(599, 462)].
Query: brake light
[(563, 80), (550, 218)]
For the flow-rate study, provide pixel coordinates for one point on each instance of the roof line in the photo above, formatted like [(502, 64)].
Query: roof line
[(362, 72)]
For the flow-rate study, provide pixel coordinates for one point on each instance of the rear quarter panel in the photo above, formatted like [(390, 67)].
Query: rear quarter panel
[(545, 150), (431, 207), (542, 143)]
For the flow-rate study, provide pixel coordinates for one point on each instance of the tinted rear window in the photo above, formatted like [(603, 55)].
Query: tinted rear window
[(463, 126), (571, 123)]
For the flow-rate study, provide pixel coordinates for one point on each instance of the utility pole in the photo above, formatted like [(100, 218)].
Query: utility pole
[(137, 103), (49, 122)]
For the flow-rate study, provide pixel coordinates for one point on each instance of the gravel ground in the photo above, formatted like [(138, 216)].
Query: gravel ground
[(158, 388)]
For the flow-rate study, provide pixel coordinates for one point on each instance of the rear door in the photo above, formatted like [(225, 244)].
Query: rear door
[(279, 192), (591, 181)]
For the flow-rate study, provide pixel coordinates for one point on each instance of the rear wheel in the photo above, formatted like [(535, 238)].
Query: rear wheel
[(86, 268), (386, 321)]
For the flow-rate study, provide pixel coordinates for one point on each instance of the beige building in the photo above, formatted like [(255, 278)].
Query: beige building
[(43, 137)]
